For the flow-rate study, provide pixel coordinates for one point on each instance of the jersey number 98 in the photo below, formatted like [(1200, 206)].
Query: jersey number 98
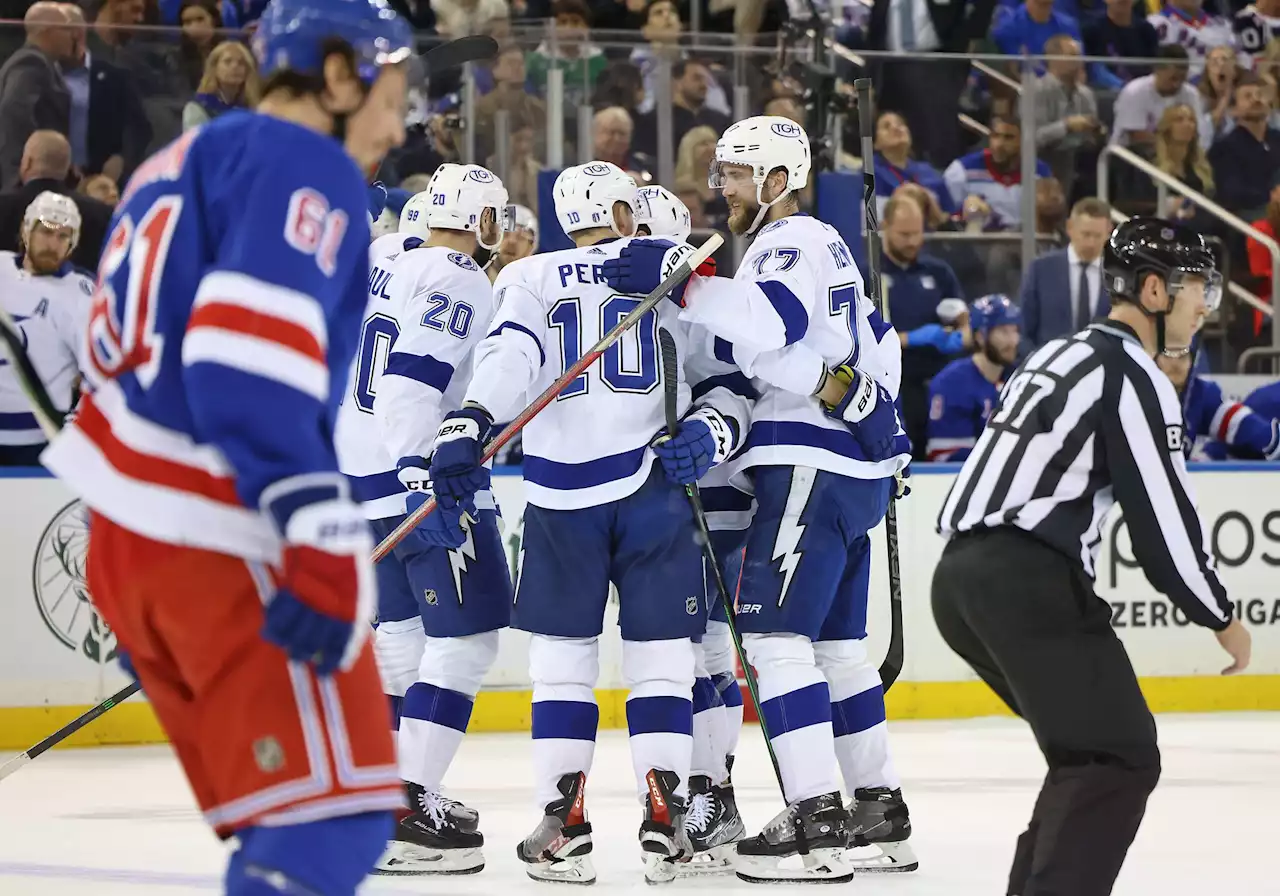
[(629, 365)]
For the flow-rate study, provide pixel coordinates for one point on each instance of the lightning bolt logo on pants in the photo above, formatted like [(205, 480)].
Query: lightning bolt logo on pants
[(458, 558), (786, 545)]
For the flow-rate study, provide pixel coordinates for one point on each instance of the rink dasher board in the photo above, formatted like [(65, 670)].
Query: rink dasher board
[(56, 658)]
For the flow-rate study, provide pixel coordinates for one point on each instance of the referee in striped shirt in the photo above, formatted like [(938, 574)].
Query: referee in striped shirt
[(1087, 420)]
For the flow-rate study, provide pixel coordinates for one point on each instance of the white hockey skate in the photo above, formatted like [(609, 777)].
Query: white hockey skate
[(713, 826), (559, 849), (805, 843), (879, 831), (662, 835), (438, 836)]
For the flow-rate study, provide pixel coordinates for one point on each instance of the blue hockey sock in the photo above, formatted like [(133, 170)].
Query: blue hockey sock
[(397, 710), (329, 857)]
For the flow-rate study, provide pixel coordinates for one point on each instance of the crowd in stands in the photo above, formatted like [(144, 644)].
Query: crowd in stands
[(88, 90)]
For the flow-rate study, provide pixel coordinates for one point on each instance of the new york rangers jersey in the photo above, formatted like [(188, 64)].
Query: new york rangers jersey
[(1198, 33), (976, 174), (1213, 421), (362, 456), (231, 292), (960, 402), (1253, 31), (51, 312), (804, 290), (591, 445)]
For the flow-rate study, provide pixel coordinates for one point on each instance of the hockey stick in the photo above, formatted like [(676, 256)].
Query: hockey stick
[(50, 419), (682, 272), (670, 386), (458, 52), (891, 668), (67, 730)]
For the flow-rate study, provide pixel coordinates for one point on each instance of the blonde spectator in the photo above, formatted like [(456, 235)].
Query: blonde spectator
[(230, 82), (1216, 87), (1179, 154), (102, 188), (693, 159)]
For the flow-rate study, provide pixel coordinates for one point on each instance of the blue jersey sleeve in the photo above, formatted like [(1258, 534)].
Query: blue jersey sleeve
[(955, 415), (276, 317)]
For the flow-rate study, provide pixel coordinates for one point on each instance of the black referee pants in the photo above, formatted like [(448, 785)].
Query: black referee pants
[(1027, 620)]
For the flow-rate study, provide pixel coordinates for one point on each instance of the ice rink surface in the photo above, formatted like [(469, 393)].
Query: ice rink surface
[(113, 821)]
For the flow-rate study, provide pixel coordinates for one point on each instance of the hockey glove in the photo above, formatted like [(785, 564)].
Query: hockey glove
[(867, 409), (456, 471), (946, 341), (443, 528), (644, 264), (703, 439), (901, 482), (324, 596)]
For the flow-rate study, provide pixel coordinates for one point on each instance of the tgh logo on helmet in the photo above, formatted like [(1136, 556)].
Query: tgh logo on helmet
[(596, 170), (480, 176), (786, 129)]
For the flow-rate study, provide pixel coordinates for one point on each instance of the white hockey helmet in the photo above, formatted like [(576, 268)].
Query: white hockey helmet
[(527, 220), (456, 198), (585, 196), (764, 143), (665, 215), (55, 211)]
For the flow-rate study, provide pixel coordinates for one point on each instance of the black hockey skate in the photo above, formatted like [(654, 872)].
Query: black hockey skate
[(662, 835), (559, 849), (713, 826), (805, 843), (438, 836), (879, 831)]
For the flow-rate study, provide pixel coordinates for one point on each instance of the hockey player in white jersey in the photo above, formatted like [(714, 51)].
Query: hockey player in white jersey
[(50, 301), (445, 592), (599, 510), (822, 480)]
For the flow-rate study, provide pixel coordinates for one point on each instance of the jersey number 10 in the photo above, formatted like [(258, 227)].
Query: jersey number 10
[(629, 365)]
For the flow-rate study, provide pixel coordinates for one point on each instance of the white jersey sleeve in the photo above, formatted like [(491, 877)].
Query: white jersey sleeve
[(513, 352), (442, 303)]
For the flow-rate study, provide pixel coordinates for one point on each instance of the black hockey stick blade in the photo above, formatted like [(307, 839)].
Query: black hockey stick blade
[(456, 53), (15, 346), (67, 730), (670, 387)]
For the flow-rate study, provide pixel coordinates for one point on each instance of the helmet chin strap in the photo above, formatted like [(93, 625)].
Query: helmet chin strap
[(764, 207)]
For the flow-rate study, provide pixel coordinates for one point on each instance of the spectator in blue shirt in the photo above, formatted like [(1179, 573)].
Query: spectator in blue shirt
[(916, 284), (1028, 28), (894, 165)]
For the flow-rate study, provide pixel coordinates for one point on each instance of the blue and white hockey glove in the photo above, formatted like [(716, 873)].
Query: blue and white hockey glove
[(643, 264), (946, 341), (456, 471), (902, 483), (867, 409), (443, 528), (325, 588), (704, 438)]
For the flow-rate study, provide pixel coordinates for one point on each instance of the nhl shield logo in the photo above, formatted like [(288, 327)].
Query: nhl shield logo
[(691, 606), (268, 755), (430, 597), (58, 584)]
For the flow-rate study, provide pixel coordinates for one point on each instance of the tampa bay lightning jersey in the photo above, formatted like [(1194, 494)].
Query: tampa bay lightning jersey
[(362, 456), (590, 446), (51, 312), (961, 399), (231, 291), (798, 285)]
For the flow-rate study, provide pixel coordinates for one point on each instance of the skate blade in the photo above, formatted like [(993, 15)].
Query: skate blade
[(820, 866), (572, 870), (716, 860), (882, 858), (410, 859)]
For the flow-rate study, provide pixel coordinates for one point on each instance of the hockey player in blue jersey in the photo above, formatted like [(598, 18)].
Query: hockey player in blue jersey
[(444, 593), (963, 393), (225, 550), (822, 481), (1219, 428), (599, 510)]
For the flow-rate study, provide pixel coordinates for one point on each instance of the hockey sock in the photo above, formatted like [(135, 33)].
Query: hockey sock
[(857, 715), (329, 857), (708, 724), (796, 706), (731, 717), (431, 730), (659, 676), (397, 708), (565, 714)]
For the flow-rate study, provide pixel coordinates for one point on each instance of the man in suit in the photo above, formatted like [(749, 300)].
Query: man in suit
[(927, 91), (33, 95), (46, 163), (1064, 291)]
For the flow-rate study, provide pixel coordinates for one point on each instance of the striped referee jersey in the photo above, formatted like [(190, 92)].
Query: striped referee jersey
[(1086, 421)]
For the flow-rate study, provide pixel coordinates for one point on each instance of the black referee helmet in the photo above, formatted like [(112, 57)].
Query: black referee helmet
[(1143, 246)]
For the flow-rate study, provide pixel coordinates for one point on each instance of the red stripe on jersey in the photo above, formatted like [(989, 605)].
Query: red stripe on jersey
[(239, 319), (148, 468), (1226, 421)]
